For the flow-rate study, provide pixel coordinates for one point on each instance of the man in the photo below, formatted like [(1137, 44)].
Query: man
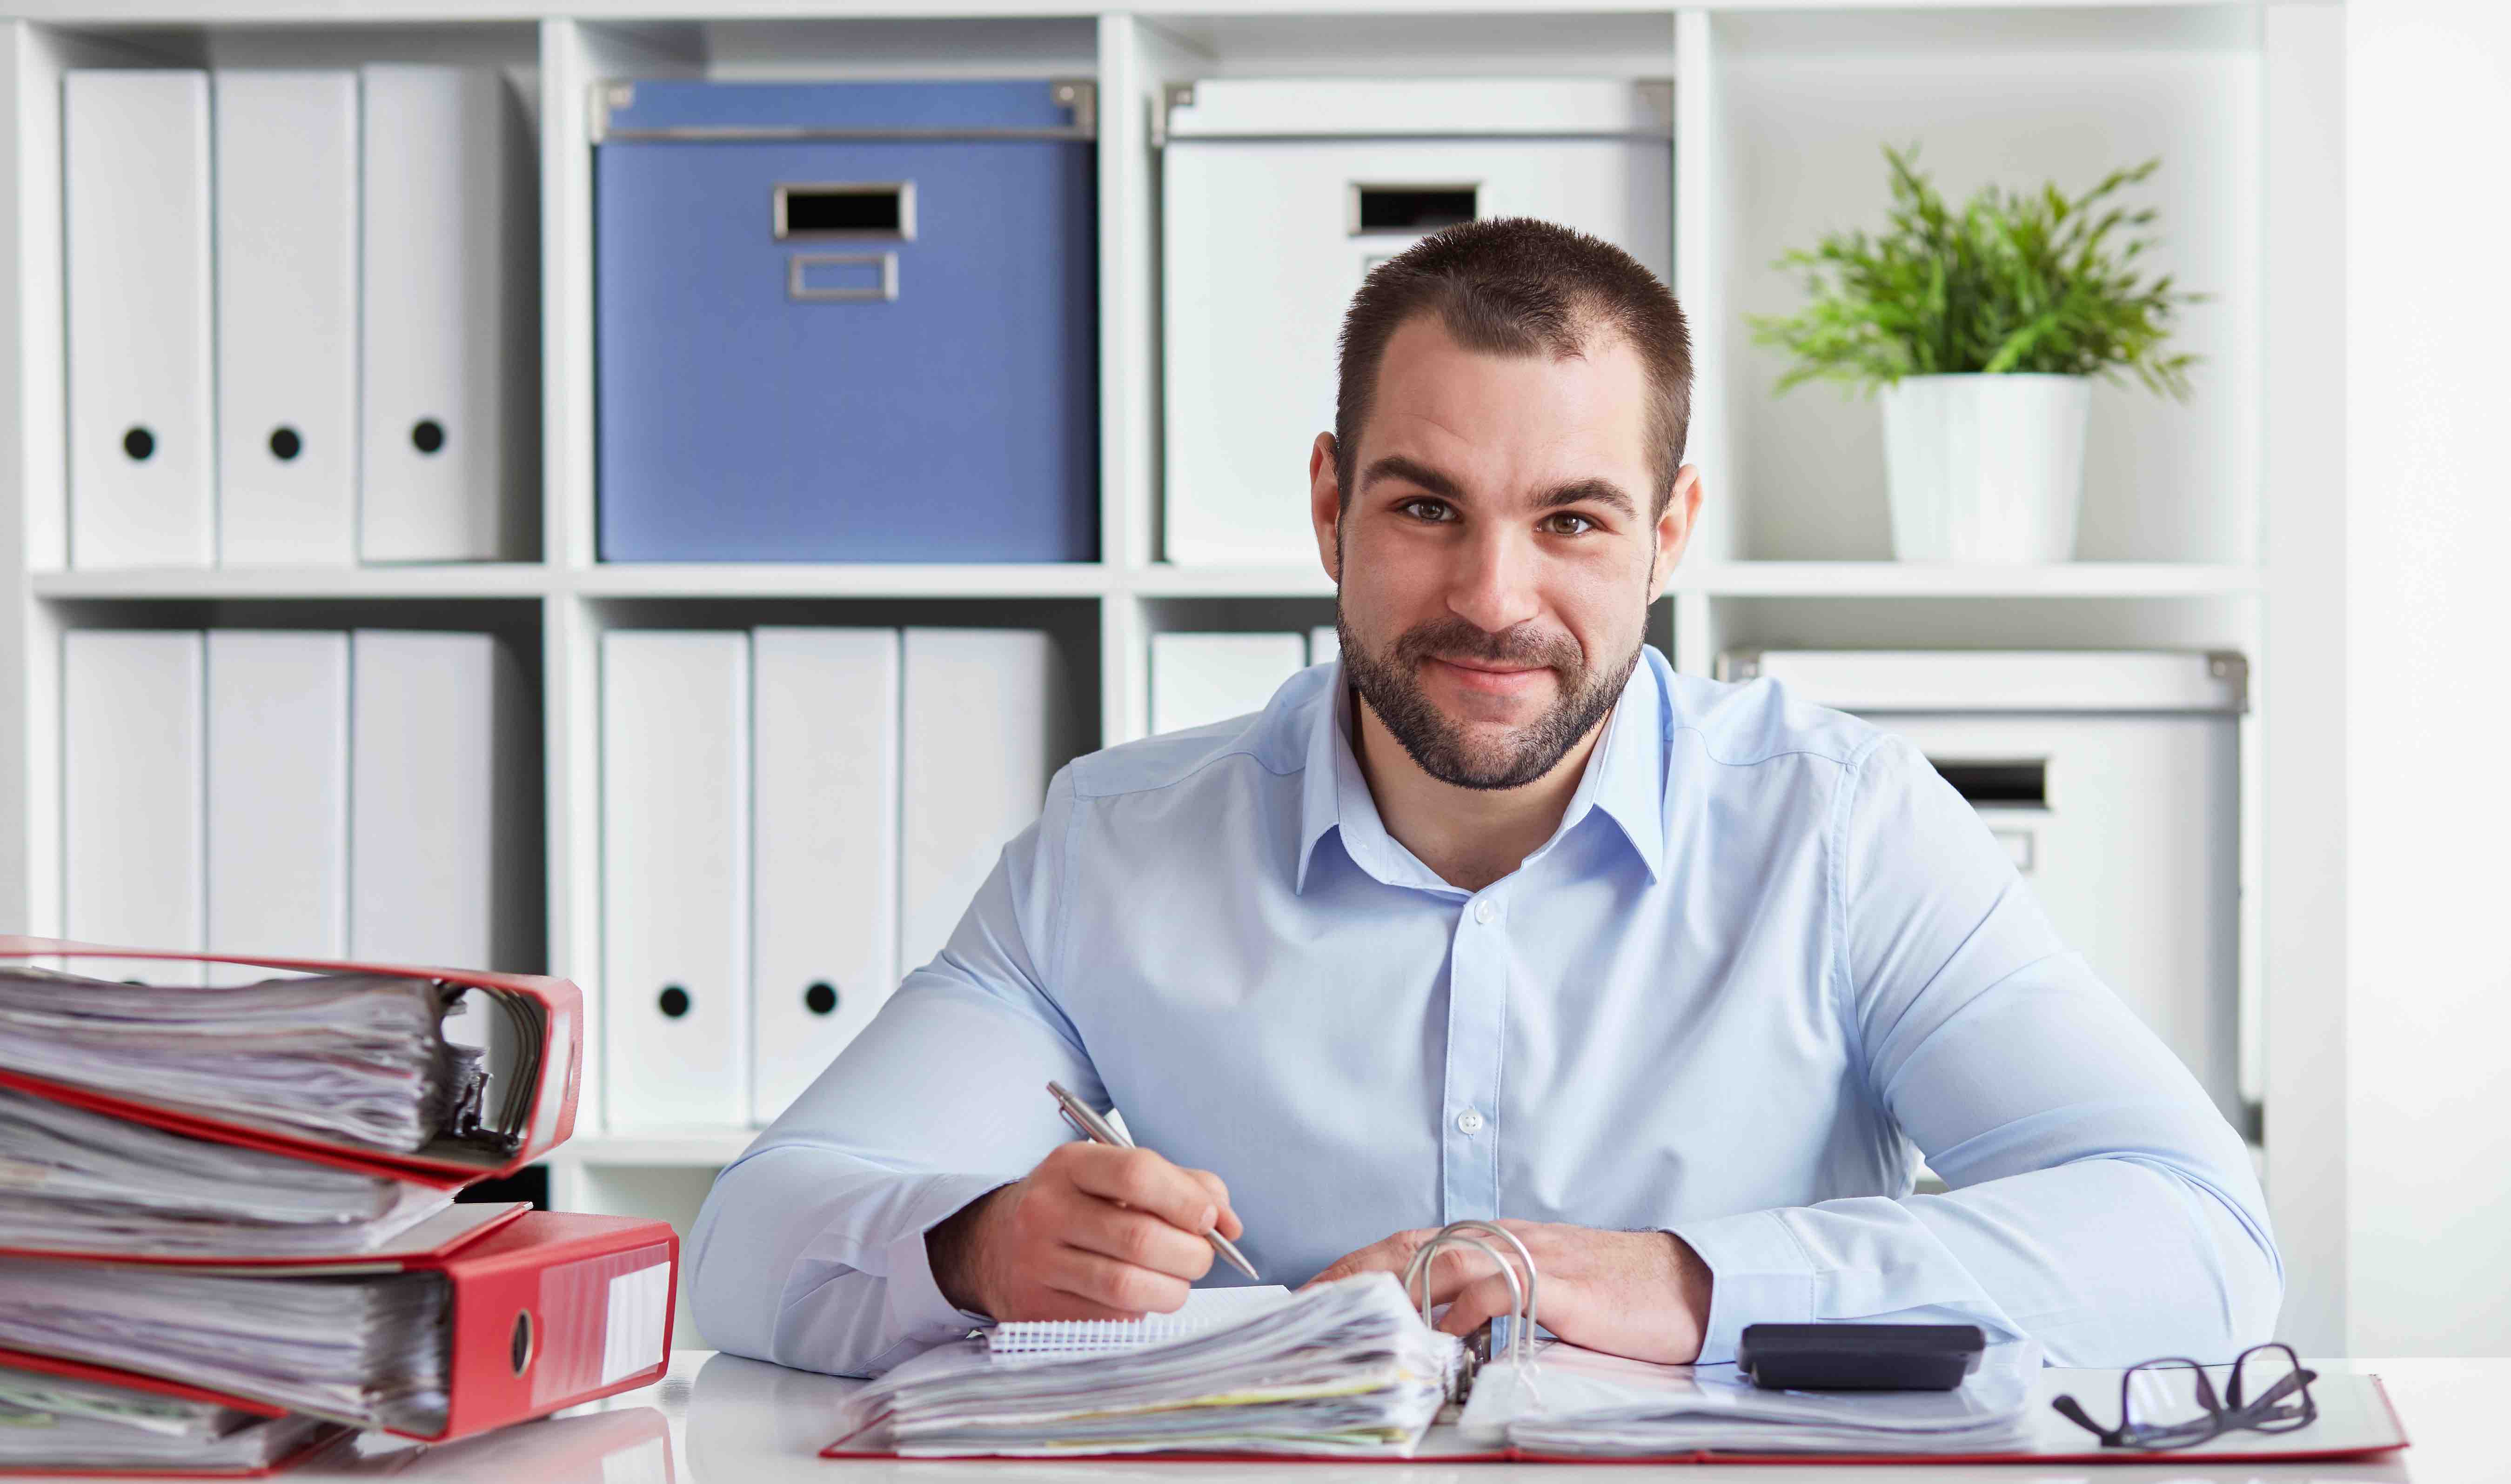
[(1501, 918)]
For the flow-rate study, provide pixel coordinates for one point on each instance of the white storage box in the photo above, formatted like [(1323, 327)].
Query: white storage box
[(2113, 780), (1280, 196)]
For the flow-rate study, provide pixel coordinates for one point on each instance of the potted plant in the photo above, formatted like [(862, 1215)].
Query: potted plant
[(1983, 331)]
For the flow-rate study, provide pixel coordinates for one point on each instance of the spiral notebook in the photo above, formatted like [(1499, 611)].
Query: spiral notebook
[(1205, 1308)]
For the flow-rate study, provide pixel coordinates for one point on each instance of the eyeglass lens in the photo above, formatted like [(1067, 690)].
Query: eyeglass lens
[(2167, 1397), (2269, 1389)]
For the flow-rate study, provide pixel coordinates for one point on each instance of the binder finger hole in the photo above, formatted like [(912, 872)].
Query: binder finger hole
[(673, 1002), (520, 1346), (284, 444), (139, 444), (427, 434), (821, 999)]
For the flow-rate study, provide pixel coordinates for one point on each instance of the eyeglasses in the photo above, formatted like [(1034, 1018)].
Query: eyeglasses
[(2269, 1393)]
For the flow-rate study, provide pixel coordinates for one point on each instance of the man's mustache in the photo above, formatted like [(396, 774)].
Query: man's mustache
[(1524, 644)]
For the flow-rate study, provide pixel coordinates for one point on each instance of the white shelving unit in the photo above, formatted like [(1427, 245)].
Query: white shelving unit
[(1781, 111)]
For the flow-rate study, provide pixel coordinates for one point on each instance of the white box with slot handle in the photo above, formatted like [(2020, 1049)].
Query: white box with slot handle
[(1279, 198)]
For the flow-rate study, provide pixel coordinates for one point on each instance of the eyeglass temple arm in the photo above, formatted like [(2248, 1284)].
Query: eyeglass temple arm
[(2073, 1411)]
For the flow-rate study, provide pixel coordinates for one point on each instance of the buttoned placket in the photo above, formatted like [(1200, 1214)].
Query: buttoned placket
[(1477, 1030)]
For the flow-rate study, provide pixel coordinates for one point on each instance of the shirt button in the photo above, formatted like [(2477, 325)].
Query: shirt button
[(1484, 912), (1469, 1122)]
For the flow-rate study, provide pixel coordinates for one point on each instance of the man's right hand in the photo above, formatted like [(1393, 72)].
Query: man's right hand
[(1093, 1232)]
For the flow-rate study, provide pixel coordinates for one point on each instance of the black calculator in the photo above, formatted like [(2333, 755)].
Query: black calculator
[(1859, 1358)]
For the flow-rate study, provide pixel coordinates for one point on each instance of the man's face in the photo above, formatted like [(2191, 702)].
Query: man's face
[(1498, 552)]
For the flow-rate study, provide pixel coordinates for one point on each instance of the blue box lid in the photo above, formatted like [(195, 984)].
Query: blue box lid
[(692, 108)]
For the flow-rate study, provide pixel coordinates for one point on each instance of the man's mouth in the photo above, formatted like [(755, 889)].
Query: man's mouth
[(1490, 678)]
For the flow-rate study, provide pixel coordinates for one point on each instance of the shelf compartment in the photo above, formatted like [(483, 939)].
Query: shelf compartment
[(1803, 106)]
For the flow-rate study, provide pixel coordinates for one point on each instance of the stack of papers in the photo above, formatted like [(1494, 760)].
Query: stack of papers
[(79, 1180), (44, 1419), (1581, 1403), (1347, 1368), (370, 1350), (358, 1058)]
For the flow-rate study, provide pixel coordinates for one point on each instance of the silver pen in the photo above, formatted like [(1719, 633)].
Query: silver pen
[(1081, 1117)]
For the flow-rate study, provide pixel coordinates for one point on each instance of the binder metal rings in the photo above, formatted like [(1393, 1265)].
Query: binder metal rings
[(1463, 1234)]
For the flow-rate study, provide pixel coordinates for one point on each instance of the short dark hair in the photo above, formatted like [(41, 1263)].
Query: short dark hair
[(1515, 286)]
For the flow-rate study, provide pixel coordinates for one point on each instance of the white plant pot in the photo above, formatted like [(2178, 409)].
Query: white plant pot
[(1985, 468)]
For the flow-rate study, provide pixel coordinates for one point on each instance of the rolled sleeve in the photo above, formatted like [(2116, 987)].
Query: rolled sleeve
[(919, 1314), (1759, 1274)]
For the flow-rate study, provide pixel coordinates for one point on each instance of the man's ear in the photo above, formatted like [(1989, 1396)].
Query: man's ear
[(1325, 504), (1674, 528)]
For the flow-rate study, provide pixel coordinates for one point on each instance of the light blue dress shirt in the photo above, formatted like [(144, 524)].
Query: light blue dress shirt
[(1767, 960)]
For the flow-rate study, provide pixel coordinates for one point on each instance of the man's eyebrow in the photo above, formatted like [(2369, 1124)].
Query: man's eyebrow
[(1602, 491), (1579, 492), (1396, 466)]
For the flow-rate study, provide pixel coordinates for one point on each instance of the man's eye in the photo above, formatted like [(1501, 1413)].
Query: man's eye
[(1426, 509), (1568, 524)]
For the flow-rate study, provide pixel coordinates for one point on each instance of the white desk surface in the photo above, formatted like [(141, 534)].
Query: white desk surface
[(721, 1420)]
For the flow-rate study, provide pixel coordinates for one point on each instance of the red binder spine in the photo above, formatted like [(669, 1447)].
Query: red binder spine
[(543, 1321)]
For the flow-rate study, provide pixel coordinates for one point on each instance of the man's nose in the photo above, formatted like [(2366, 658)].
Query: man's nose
[(1493, 586)]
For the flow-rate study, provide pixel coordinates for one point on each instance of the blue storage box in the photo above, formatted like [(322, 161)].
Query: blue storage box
[(846, 321)]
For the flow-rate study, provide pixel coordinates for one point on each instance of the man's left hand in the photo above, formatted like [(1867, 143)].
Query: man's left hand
[(1641, 1294)]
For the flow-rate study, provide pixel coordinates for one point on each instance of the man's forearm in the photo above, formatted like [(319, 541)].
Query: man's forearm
[(2104, 1260)]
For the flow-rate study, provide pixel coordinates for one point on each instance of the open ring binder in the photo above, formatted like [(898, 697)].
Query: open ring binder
[(1520, 1340)]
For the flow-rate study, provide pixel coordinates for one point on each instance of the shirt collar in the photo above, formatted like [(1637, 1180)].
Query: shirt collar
[(1625, 780)]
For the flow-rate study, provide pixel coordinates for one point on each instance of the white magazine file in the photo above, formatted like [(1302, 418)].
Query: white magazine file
[(287, 160), (278, 796), (676, 801), (131, 814), (823, 913), (135, 183)]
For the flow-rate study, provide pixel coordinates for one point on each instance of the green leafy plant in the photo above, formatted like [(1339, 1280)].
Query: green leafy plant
[(2015, 283)]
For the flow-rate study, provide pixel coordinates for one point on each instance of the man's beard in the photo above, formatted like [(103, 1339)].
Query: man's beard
[(1392, 688)]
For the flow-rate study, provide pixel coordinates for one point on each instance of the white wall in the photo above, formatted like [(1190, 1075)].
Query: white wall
[(2429, 682)]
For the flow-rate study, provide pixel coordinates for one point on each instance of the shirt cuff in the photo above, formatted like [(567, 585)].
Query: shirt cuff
[(1758, 1275), (918, 1314)]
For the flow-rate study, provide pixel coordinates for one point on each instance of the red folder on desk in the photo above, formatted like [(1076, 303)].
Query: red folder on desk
[(545, 1312), (555, 1008)]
